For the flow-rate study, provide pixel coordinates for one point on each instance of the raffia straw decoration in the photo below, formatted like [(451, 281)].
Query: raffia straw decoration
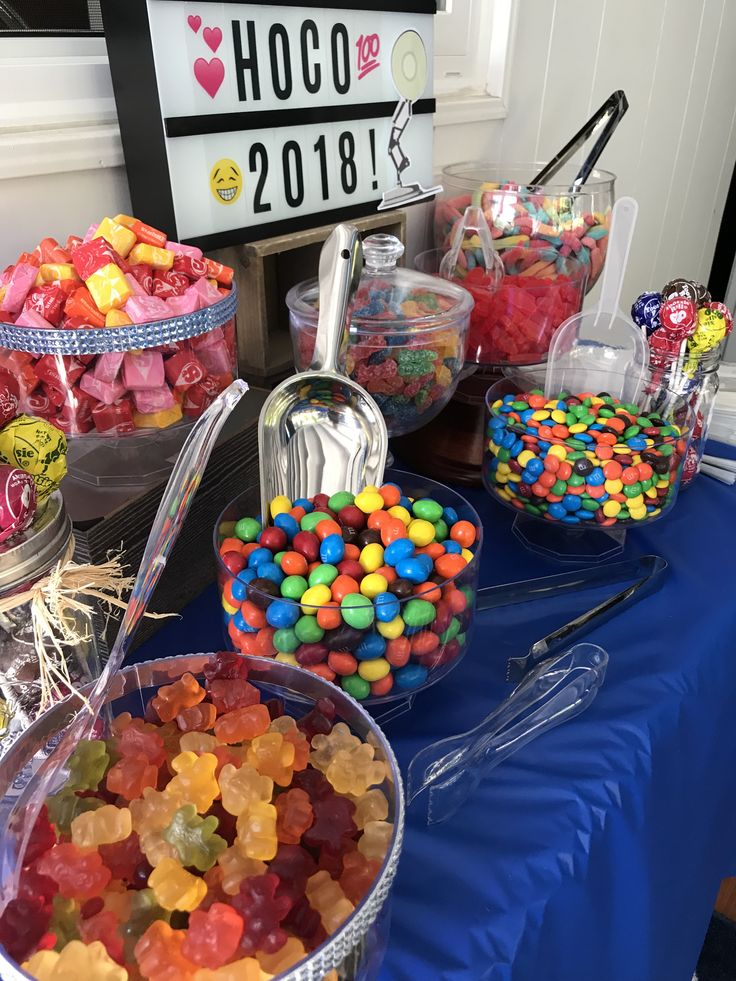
[(62, 604)]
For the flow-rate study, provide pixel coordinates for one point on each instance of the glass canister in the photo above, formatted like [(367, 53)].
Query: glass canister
[(522, 215), (407, 339), (695, 378), (24, 680)]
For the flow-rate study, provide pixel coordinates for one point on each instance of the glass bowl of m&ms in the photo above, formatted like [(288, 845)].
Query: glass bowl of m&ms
[(585, 460), (232, 817), (407, 335), (374, 592), (118, 333), (521, 215)]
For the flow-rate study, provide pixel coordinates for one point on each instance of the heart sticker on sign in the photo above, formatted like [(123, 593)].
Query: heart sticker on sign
[(209, 74), (195, 22), (212, 37)]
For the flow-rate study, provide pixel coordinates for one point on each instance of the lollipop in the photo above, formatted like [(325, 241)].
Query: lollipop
[(37, 447), (17, 501), (645, 311)]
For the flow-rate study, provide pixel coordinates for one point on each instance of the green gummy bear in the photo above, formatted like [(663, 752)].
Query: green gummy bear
[(64, 921), (414, 364), (194, 838), (88, 765), (144, 910), (65, 806)]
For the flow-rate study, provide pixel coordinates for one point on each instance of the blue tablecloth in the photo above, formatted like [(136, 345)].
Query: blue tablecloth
[(595, 853)]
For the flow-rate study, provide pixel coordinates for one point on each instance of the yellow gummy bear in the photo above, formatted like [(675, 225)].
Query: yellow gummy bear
[(289, 955), (243, 786), (353, 771), (175, 888), (326, 746), (236, 867), (246, 969), (76, 961), (195, 780), (104, 826), (154, 810), (273, 757), (257, 832), (326, 896), (376, 838)]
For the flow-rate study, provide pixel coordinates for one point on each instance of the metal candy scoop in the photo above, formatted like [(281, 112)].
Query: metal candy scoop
[(319, 431), (556, 682)]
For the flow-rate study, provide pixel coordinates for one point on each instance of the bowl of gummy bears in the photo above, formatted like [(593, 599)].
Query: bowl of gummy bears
[(406, 340), (233, 818), (374, 592)]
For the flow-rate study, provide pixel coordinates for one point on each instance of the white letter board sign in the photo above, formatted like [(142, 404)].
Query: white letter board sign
[(244, 120)]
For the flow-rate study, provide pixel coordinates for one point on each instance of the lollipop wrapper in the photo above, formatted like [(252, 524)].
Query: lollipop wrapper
[(37, 447), (17, 500)]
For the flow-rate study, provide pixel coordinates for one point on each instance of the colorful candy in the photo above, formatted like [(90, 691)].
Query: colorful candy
[(204, 906), (116, 277), (393, 604), (521, 217), (582, 459)]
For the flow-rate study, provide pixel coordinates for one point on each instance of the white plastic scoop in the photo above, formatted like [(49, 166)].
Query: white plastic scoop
[(603, 350)]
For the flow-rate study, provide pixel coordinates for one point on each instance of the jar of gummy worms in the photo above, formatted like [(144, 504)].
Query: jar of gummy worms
[(520, 215), (356, 948)]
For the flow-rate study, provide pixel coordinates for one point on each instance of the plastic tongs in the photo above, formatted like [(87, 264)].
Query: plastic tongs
[(602, 123), (556, 682)]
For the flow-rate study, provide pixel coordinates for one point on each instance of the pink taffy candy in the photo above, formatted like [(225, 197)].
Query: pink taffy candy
[(153, 399), (178, 306), (178, 249), (144, 309), (135, 285), (17, 500), (107, 392), (90, 233), (206, 294), (30, 318), (107, 367), (144, 370), (19, 286), (215, 358)]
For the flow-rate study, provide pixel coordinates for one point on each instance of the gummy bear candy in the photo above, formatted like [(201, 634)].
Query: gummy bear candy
[(103, 926), (257, 831), (159, 954), (293, 865), (76, 960), (130, 775), (306, 923), (262, 912), (144, 910), (294, 815), (194, 838), (242, 724), (370, 806), (42, 837), (325, 747), (87, 765), (197, 742), (175, 888), (104, 826), (139, 738), (171, 699), (331, 859), (243, 786), (353, 771), (319, 719), (66, 805), (273, 757), (122, 857), (333, 821), (22, 924), (358, 875), (246, 969), (376, 838), (236, 867), (226, 666), (195, 780), (326, 896), (230, 695), (314, 782), (290, 954), (197, 718), (78, 874), (31, 884), (213, 937)]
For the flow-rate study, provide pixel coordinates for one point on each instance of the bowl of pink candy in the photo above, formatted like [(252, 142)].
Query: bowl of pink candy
[(119, 332), (232, 818)]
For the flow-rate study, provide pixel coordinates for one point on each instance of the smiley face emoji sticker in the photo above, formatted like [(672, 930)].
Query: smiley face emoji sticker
[(226, 181)]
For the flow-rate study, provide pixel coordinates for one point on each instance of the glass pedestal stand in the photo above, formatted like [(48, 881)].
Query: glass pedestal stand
[(569, 544)]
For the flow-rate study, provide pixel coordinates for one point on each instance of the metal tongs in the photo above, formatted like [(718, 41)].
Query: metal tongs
[(556, 683)]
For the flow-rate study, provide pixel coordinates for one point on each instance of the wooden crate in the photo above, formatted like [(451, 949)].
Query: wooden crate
[(265, 272)]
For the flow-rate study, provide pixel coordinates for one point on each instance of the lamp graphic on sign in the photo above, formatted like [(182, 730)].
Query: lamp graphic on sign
[(409, 74)]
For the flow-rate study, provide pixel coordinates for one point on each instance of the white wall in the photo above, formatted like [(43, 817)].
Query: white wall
[(674, 150)]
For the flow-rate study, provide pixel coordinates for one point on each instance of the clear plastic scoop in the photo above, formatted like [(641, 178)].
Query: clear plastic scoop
[(472, 232), (556, 683), (172, 511), (603, 350)]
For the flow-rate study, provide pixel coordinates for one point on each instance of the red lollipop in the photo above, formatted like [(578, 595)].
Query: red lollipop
[(9, 394), (17, 500)]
